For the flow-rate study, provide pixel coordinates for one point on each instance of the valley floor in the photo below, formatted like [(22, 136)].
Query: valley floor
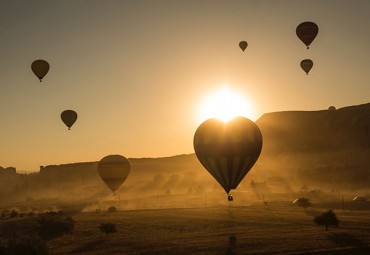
[(275, 228)]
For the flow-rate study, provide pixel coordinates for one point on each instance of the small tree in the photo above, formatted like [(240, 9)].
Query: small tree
[(108, 228), (326, 219)]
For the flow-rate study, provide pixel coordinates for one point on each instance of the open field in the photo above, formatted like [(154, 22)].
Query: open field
[(257, 229)]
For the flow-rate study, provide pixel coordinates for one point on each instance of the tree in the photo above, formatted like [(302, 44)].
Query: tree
[(327, 218), (108, 228)]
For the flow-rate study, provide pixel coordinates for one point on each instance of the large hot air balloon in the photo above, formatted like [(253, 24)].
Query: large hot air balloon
[(307, 32), (40, 68), (243, 45), (228, 150), (113, 170), (306, 65), (69, 117)]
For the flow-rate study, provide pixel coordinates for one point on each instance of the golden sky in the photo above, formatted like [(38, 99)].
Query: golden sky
[(137, 72)]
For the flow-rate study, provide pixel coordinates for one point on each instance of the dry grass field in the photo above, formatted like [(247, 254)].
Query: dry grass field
[(275, 228)]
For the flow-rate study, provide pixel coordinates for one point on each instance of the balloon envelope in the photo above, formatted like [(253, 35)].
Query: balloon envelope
[(243, 45), (69, 117), (307, 32), (306, 65), (228, 150), (113, 170), (40, 68)]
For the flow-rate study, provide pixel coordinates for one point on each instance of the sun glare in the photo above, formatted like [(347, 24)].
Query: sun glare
[(224, 104)]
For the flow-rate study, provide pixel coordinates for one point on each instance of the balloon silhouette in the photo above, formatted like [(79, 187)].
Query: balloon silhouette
[(243, 45), (307, 32), (69, 117), (113, 170), (306, 65), (228, 150), (40, 68)]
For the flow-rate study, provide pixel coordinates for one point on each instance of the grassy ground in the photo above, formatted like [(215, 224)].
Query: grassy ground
[(276, 228)]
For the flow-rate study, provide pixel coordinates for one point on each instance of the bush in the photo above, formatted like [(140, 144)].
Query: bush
[(327, 218), (53, 224), (20, 245), (14, 213), (112, 209), (302, 202), (108, 228)]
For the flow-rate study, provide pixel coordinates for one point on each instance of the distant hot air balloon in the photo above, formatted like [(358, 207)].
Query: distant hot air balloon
[(307, 32), (113, 170), (69, 117), (306, 65), (243, 45), (332, 108), (40, 68), (228, 150)]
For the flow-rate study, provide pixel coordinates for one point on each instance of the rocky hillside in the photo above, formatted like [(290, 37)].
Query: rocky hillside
[(329, 147)]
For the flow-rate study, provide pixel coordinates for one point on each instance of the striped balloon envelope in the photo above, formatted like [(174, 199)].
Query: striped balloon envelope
[(228, 150)]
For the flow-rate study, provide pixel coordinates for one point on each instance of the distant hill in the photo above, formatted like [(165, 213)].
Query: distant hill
[(327, 146), (316, 131), (330, 148)]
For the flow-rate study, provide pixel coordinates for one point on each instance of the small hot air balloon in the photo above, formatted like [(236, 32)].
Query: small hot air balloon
[(307, 32), (40, 68), (69, 117), (306, 65), (243, 45), (113, 170), (228, 150), (332, 108)]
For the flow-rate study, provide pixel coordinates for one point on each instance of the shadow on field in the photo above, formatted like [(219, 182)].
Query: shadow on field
[(90, 246), (231, 250), (312, 212), (344, 239)]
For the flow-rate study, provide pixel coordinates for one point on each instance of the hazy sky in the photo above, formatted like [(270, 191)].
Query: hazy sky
[(136, 72)]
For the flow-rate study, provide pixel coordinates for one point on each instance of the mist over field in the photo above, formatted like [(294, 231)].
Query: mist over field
[(324, 152), (320, 155)]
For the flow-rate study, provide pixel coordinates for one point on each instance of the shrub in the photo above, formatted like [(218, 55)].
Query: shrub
[(14, 213), (20, 245), (112, 209), (302, 202), (53, 224), (108, 228), (326, 219)]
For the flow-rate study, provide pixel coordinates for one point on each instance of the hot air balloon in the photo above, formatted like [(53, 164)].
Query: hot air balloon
[(306, 65), (69, 117), (307, 32), (243, 45), (228, 150), (113, 170), (40, 68)]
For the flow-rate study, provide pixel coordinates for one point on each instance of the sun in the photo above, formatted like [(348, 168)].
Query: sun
[(224, 104)]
